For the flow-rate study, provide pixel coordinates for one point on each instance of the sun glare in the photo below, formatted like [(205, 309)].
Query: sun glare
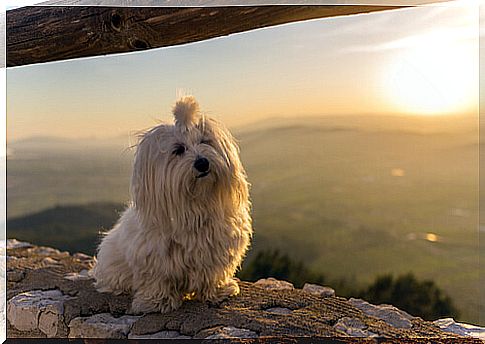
[(431, 237), (433, 74)]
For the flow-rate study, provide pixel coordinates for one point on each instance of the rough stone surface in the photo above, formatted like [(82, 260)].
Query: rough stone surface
[(353, 327), (14, 243), (15, 276), (42, 310), (390, 314), (160, 335), (51, 323), (58, 299), (279, 310), (78, 276), (318, 290), (449, 325), (232, 332), (102, 325), (274, 284), (49, 261), (81, 256)]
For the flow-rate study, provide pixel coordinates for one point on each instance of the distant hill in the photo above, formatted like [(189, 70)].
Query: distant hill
[(320, 188), (74, 228), (39, 147)]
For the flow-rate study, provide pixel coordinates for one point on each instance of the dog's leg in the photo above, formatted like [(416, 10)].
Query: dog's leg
[(218, 294), (139, 305), (169, 304), (142, 303), (230, 288), (111, 277)]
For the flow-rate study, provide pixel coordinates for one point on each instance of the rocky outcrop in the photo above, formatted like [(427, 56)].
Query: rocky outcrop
[(467, 330), (50, 294)]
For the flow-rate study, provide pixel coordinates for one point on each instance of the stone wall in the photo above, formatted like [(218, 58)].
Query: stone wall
[(49, 294)]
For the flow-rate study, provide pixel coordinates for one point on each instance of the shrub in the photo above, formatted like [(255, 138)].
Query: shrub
[(419, 298), (275, 264)]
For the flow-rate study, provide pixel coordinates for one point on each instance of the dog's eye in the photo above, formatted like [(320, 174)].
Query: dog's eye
[(206, 142), (179, 150)]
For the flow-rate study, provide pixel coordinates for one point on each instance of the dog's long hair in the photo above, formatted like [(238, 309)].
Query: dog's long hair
[(188, 227)]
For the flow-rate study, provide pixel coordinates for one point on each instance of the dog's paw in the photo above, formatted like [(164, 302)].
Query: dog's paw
[(107, 289), (140, 306), (103, 290), (167, 306), (231, 288)]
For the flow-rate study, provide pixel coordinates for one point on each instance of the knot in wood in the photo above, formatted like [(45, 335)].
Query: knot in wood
[(116, 22), (139, 44)]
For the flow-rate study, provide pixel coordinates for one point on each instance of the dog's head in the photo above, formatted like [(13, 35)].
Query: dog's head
[(193, 163)]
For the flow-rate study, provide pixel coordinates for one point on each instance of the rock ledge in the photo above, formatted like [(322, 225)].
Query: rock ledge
[(49, 294)]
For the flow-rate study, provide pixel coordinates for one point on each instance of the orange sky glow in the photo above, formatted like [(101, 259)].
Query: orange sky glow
[(417, 61)]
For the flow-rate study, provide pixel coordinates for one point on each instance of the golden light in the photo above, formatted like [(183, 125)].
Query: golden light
[(434, 73), (431, 237), (398, 172)]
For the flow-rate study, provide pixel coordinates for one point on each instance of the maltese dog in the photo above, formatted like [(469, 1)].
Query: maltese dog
[(188, 226)]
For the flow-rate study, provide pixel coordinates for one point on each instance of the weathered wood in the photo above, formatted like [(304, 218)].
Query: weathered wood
[(220, 3), (40, 34)]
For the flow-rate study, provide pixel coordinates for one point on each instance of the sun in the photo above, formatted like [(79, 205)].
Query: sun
[(433, 74)]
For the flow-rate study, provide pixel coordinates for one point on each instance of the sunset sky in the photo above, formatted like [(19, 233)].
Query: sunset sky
[(418, 61)]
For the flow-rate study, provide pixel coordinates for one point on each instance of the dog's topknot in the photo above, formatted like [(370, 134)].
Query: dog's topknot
[(186, 112)]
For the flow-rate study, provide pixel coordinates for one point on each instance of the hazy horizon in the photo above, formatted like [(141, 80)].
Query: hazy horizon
[(418, 61), (448, 126), (400, 194)]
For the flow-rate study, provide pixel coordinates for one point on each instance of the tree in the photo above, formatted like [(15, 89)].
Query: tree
[(419, 298), (275, 264)]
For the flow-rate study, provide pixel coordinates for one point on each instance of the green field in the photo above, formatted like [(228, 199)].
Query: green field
[(353, 197)]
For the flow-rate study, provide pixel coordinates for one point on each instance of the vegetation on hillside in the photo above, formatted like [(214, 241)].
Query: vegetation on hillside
[(74, 228), (352, 197), (77, 229), (422, 298), (419, 298), (272, 263)]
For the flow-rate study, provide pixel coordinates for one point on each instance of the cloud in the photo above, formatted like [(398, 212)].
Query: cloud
[(432, 37)]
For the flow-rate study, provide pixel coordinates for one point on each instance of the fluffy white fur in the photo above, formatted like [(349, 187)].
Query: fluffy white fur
[(185, 233)]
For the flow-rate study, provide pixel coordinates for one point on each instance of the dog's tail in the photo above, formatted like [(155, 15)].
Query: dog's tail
[(186, 112)]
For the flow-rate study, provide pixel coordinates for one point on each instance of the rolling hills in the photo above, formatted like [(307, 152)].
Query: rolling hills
[(352, 196)]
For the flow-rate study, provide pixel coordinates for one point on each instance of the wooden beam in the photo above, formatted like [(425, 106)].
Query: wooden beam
[(39, 34)]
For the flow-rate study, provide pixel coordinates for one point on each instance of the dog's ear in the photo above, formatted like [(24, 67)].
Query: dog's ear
[(145, 180), (186, 112)]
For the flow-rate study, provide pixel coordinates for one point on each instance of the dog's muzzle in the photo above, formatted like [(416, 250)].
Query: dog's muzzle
[(202, 165)]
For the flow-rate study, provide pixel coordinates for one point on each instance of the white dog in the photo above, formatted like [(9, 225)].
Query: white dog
[(188, 226)]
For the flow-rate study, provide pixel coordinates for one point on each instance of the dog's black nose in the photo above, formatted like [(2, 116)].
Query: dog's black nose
[(201, 165)]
